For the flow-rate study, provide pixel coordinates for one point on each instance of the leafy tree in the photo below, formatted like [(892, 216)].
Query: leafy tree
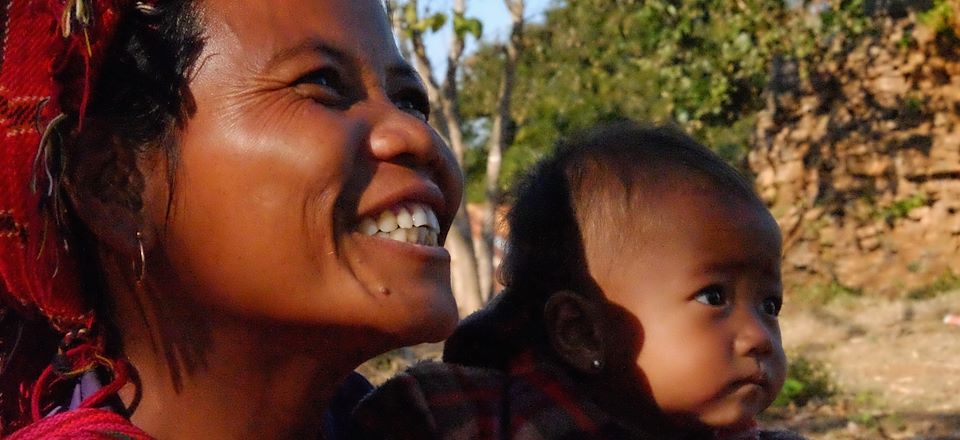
[(699, 64)]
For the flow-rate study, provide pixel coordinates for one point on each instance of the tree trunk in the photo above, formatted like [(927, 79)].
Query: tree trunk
[(497, 144), (463, 266)]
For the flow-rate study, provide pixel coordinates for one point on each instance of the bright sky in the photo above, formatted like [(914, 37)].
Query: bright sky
[(493, 14)]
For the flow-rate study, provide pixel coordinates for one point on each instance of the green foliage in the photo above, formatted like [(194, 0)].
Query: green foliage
[(416, 23), (464, 25), (900, 208), (474, 163), (822, 294), (906, 41), (944, 283), (807, 380), (939, 17), (413, 22), (699, 64), (846, 17), (865, 419)]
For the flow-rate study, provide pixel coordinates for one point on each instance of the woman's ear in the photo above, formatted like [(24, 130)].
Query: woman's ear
[(104, 186), (575, 330)]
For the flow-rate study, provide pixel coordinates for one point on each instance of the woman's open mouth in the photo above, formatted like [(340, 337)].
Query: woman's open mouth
[(410, 222)]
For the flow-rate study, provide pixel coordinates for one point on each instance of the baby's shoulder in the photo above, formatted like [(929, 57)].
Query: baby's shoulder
[(780, 435), (442, 375), (434, 386), (429, 400)]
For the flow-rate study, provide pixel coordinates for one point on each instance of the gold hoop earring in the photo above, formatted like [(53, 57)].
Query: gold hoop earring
[(142, 269)]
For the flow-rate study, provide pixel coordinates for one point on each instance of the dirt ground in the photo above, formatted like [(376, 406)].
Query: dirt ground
[(895, 363)]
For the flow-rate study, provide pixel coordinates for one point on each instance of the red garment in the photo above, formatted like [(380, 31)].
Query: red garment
[(82, 424)]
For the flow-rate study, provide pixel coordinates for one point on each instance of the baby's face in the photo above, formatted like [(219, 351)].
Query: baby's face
[(703, 281)]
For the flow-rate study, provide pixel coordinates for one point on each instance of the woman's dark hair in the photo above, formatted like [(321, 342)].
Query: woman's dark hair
[(545, 252), (138, 100), (143, 86)]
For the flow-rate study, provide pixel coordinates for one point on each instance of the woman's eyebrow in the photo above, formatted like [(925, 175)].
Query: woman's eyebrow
[(307, 46)]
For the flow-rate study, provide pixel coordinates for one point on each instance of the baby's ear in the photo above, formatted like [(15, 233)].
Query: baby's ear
[(575, 329)]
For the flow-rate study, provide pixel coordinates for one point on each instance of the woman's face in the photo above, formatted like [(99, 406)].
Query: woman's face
[(309, 134)]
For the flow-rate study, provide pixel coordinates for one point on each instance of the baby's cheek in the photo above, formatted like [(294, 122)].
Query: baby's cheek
[(777, 373)]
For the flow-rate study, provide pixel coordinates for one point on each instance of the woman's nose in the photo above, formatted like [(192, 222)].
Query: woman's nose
[(403, 138)]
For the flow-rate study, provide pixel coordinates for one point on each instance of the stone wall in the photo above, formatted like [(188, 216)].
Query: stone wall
[(860, 162)]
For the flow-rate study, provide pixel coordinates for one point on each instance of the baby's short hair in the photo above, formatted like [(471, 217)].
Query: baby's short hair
[(618, 177), (597, 184)]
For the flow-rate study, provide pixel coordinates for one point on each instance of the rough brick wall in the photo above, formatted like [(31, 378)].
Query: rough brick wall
[(860, 163)]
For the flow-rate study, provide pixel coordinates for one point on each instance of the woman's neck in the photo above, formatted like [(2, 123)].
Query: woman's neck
[(207, 374), (245, 383)]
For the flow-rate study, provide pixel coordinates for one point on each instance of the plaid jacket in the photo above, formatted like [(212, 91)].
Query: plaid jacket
[(434, 401)]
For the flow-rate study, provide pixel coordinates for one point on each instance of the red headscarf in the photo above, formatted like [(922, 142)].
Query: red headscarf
[(49, 60), (43, 40)]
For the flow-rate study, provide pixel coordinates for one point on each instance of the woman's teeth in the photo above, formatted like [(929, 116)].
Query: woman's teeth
[(410, 223)]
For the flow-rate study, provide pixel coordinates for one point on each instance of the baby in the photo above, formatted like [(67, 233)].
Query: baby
[(642, 292)]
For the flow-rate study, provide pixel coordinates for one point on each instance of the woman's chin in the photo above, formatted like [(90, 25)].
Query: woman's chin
[(432, 322), (406, 288)]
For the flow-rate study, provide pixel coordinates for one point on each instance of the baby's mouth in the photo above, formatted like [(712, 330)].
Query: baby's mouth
[(412, 222), (759, 380)]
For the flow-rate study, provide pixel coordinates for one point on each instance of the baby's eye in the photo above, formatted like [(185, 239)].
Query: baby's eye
[(712, 296), (771, 306)]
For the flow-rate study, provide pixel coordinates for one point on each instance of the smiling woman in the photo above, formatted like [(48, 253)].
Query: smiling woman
[(240, 202)]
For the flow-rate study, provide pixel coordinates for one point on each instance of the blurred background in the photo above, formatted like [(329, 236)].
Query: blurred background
[(843, 112)]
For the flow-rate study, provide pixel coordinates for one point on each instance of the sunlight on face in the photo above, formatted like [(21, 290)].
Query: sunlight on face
[(308, 125)]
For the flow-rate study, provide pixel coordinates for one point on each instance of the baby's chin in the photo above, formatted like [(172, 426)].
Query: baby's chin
[(734, 420)]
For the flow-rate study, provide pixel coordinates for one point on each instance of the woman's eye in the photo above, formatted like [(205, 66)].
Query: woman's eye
[(771, 306), (712, 296), (414, 109), (322, 84), (414, 102), (319, 77)]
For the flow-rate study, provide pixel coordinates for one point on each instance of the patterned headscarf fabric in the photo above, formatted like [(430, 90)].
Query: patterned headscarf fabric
[(50, 55), (49, 59)]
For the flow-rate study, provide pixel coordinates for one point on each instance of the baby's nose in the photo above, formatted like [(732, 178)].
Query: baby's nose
[(756, 336)]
